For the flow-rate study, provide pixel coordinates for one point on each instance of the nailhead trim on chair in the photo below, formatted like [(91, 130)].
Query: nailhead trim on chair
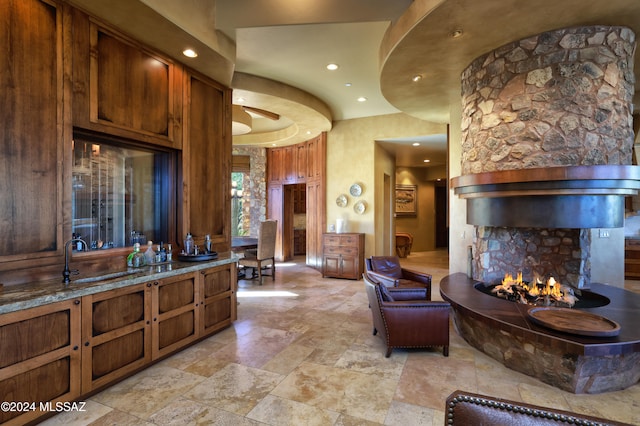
[(517, 409)]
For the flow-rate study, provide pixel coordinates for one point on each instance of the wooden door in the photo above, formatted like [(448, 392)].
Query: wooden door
[(207, 163), (175, 319), (39, 358), (34, 101), (116, 334), (218, 298)]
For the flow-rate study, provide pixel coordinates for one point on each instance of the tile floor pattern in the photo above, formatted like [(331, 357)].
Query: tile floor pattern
[(302, 353)]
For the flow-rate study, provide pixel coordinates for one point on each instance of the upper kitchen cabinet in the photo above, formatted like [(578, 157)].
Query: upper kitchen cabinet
[(206, 161), (32, 129), (123, 89)]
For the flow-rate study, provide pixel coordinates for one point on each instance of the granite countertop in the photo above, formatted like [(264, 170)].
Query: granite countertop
[(29, 295)]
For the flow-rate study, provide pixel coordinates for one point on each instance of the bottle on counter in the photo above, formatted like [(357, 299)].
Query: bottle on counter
[(136, 258), (207, 244), (169, 253), (163, 252), (150, 254), (189, 245)]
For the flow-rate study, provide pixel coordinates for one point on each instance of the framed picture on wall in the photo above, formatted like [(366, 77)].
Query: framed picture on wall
[(406, 200)]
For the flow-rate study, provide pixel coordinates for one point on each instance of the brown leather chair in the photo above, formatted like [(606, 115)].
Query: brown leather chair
[(406, 318), (387, 270), (264, 256), (465, 409)]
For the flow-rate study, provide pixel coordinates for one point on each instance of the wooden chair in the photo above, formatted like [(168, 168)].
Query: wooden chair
[(404, 241), (264, 255)]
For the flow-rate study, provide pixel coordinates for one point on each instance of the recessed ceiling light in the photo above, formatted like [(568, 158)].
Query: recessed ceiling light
[(416, 78), (240, 99), (274, 144), (308, 132), (416, 144), (332, 67), (362, 99), (348, 84), (426, 161), (189, 53), (456, 33)]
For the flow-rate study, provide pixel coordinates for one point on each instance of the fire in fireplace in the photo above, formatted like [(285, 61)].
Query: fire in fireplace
[(536, 293)]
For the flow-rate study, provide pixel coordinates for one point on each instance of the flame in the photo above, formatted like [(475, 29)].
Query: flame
[(549, 292)]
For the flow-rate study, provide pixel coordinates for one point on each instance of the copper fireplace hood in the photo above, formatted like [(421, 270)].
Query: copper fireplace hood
[(552, 197)]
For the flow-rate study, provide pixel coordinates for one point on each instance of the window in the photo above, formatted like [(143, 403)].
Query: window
[(238, 223), (120, 193)]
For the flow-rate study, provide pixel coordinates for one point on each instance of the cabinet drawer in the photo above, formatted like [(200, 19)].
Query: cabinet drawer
[(331, 240), (340, 250), (349, 240)]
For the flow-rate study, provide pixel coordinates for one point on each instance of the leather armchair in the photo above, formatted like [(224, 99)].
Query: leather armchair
[(465, 409), (387, 270), (405, 318)]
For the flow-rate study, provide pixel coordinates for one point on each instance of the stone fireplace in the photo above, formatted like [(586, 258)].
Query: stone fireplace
[(547, 142), (547, 138)]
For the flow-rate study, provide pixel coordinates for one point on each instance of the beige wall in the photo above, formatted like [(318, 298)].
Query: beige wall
[(423, 226), (353, 156)]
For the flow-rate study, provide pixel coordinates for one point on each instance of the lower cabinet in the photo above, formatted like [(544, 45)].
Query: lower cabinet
[(116, 334), (39, 360), (175, 313), (62, 351), (343, 255), (218, 301)]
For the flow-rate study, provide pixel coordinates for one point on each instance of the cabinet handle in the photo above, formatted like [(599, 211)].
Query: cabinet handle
[(155, 283), (75, 348), (148, 322), (148, 284), (202, 272), (86, 343), (76, 302)]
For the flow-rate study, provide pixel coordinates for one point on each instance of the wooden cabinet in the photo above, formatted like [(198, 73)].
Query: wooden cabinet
[(116, 334), (299, 241), (175, 314), (632, 259), (39, 358), (218, 301), (207, 162), (32, 131), (343, 255), (62, 351), (122, 88)]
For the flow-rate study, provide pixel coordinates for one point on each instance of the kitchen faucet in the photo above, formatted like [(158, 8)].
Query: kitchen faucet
[(67, 273)]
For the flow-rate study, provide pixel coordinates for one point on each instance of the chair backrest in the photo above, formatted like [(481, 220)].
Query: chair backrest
[(373, 294), (386, 265), (267, 239)]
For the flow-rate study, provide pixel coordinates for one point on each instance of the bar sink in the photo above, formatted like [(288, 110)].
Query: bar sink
[(104, 277)]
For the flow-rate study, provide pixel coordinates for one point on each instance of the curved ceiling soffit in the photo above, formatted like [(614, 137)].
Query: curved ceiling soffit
[(421, 43), (309, 115)]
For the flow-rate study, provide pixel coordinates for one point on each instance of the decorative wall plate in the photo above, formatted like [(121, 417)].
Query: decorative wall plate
[(360, 207), (342, 200), (355, 190)]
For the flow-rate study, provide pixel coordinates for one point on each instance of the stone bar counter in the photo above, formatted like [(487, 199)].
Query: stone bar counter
[(29, 295), (580, 364)]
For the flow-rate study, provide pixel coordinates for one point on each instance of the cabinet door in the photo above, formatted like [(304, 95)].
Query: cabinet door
[(350, 266), (218, 300), (31, 130), (174, 319), (332, 265), (116, 334), (207, 163), (39, 357), (301, 162)]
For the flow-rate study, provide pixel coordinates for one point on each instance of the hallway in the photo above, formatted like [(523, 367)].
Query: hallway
[(302, 353)]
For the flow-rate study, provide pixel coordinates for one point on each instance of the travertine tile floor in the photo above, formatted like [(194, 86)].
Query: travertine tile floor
[(302, 353)]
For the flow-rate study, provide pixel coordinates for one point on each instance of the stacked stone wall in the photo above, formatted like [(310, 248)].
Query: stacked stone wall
[(558, 98)]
